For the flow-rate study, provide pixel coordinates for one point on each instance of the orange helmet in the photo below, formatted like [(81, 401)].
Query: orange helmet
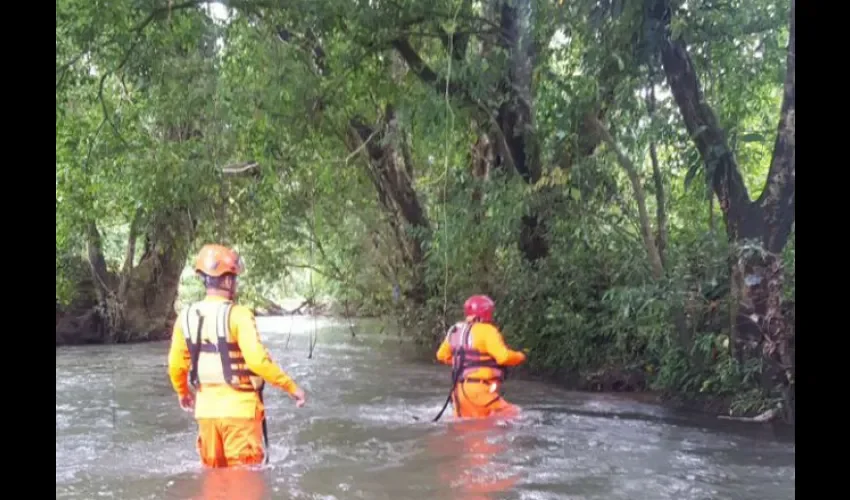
[(218, 260)]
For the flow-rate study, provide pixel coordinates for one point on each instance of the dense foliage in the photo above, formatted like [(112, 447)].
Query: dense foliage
[(573, 159)]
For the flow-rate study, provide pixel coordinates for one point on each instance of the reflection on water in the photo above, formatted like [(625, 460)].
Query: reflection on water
[(367, 434), (470, 459)]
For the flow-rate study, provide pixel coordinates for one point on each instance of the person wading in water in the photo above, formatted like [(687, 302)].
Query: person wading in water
[(478, 355), (215, 344)]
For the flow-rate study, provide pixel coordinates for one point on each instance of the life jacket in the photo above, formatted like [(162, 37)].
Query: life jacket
[(466, 359), (216, 359)]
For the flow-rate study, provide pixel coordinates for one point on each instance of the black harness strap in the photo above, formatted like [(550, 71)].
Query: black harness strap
[(224, 349), (265, 427), (195, 349), (223, 320)]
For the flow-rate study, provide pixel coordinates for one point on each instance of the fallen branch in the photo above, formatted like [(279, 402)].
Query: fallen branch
[(297, 310), (273, 309), (238, 168), (767, 416)]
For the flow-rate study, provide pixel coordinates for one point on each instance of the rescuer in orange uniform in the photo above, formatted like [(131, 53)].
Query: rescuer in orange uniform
[(216, 344), (478, 355)]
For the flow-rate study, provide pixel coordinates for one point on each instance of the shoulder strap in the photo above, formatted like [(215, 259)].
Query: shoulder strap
[(460, 360), (196, 352), (465, 333), (455, 329), (222, 332)]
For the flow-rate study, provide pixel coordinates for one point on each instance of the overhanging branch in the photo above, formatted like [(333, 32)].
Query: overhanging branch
[(426, 74)]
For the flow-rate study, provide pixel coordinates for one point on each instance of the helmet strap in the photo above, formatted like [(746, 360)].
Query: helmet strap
[(217, 285)]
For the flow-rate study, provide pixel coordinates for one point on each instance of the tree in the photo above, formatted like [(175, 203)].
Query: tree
[(760, 228)]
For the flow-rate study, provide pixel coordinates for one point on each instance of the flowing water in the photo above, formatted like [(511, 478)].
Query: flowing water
[(367, 433)]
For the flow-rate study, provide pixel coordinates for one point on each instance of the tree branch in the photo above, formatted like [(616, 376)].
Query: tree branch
[(704, 129), (97, 262), (137, 37), (640, 196), (430, 78), (126, 269), (778, 198), (426, 74), (238, 168), (775, 207)]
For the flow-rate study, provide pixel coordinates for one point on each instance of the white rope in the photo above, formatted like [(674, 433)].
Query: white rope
[(314, 334)]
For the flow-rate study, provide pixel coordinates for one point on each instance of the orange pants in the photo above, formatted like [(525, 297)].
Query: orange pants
[(225, 442), (475, 400)]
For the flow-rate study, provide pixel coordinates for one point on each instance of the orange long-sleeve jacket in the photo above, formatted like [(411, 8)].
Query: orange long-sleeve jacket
[(487, 339), (222, 401)]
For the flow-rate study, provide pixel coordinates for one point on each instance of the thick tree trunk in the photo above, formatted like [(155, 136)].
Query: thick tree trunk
[(515, 117), (156, 279), (137, 302), (759, 229)]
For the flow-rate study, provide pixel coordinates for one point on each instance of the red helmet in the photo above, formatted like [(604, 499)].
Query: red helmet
[(479, 306)]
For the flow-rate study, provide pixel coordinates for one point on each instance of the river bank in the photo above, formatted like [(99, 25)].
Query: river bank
[(83, 326), (636, 386), (79, 323)]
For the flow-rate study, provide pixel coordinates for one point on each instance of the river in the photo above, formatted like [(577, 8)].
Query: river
[(366, 433)]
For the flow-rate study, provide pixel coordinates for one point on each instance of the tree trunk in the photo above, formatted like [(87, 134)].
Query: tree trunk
[(156, 279), (389, 167), (137, 302), (385, 150), (482, 161), (658, 181), (759, 229), (511, 126)]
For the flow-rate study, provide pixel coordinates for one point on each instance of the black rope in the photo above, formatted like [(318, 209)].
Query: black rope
[(455, 377), (265, 426), (457, 371)]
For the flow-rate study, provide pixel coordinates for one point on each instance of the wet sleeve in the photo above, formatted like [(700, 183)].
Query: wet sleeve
[(444, 353), (499, 351), (257, 357), (179, 360)]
